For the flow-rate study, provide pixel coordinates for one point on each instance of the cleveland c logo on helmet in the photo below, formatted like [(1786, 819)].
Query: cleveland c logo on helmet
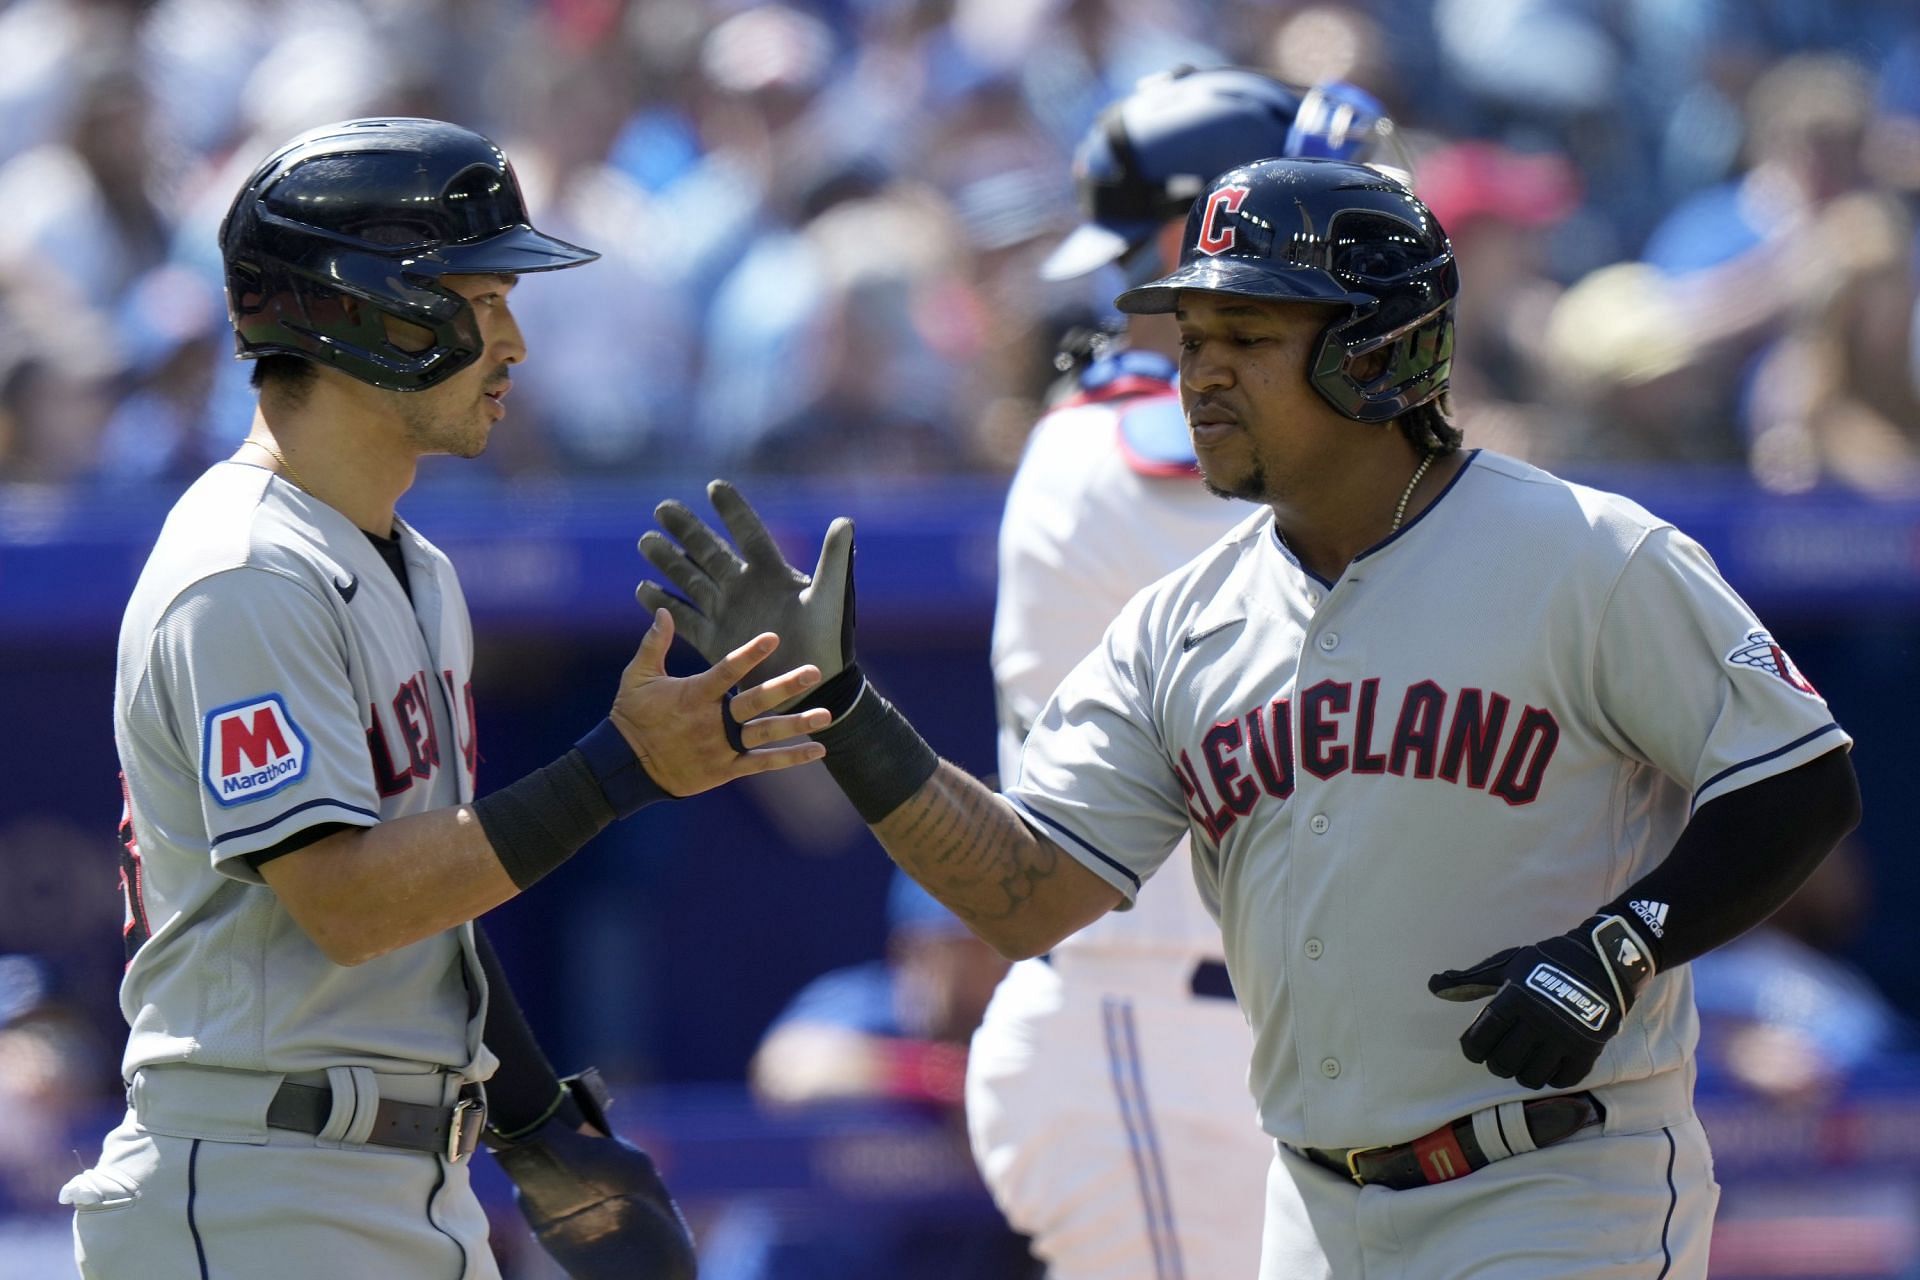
[(1337, 234), (1215, 239)]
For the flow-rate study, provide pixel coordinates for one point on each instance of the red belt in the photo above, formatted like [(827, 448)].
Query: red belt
[(1453, 1151)]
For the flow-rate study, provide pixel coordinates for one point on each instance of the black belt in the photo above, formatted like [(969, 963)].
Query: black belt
[(1452, 1151), (449, 1131)]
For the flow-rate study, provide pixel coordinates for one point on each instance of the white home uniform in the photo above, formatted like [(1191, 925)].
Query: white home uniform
[(1494, 722), (1106, 1087), (274, 675)]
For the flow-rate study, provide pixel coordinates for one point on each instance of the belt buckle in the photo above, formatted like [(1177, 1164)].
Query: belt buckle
[(1354, 1153), (463, 1133)]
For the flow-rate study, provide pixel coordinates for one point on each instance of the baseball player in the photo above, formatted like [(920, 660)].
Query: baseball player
[(1423, 704), (1106, 1087), (303, 852)]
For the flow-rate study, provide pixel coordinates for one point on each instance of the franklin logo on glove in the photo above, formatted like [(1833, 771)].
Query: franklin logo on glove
[(1582, 1005), (1548, 1019)]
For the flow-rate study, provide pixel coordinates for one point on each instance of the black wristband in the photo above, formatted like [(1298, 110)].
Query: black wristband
[(878, 759), (624, 781), (540, 821)]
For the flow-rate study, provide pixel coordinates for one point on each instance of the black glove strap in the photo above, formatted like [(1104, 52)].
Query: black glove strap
[(1625, 954), (837, 694)]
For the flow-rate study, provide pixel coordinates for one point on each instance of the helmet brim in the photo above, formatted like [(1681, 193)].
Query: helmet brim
[(515, 251), (1091, 246), (1241, 277)]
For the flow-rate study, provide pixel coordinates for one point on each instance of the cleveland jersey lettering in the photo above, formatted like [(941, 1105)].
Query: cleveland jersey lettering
[(1471, 745)]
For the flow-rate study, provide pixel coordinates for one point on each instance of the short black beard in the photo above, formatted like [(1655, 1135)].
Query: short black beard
[(1252, 489)]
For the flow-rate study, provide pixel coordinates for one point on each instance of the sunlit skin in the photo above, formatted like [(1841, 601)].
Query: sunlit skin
[(1262, 433), (356, 447), (457, 416)]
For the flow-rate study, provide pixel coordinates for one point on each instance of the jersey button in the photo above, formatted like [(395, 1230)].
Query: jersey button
[(1314, 949), (1313, 597), (1330, 641), (1330, 1068), (1318, 823)]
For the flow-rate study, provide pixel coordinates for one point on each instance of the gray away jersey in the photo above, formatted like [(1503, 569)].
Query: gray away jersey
[(1490, 725), (272, 676)]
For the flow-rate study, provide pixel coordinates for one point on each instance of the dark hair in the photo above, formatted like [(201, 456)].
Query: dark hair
[(287, 376), (1429, 427)]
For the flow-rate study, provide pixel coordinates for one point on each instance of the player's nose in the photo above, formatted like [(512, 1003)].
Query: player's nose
[(1202, 369), (506, 343)]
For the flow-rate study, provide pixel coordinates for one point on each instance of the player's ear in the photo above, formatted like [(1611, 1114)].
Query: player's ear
[(1371, 365)]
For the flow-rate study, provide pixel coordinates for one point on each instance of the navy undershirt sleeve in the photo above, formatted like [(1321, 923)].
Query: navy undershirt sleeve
[(1741, 856)]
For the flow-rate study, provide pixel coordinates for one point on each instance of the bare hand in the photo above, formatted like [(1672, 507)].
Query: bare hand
[(674, 724)]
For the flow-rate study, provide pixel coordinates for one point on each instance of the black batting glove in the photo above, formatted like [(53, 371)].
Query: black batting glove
[(596, 1203), (733, 591), (1555, 1004)]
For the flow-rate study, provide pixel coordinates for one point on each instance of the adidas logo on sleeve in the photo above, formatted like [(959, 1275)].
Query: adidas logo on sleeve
[(1653, 913)]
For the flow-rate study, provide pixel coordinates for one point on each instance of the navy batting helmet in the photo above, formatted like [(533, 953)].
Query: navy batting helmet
[(1327, 231), (354, 222), (1152, 152)]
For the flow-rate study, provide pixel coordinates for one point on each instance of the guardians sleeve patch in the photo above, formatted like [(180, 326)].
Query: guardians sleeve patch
[(251, 750), (1762, 652)]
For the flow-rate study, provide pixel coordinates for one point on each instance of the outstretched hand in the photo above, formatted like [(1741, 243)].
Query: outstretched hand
[(676, 726), (732, 595)]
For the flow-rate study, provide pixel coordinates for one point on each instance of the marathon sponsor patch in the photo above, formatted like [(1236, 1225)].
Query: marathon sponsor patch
[(251, 749), (1570, 995), (1763, 653)]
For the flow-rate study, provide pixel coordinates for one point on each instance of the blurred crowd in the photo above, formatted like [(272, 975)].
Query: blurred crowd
[(1686, 226)]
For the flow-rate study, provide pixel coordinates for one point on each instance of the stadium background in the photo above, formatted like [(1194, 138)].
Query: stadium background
[(1687, 230)]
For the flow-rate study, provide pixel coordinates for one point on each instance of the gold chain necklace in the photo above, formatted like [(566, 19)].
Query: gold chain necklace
[(1399, 512), (287, 467)]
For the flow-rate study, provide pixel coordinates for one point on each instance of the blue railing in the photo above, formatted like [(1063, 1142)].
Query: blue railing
[(560, 556)]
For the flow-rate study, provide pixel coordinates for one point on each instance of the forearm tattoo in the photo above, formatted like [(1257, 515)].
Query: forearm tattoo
[(967, 846)]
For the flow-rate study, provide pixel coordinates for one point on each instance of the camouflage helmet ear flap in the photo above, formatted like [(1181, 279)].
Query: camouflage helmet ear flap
[(1326, 231), (354, 224), (1378, 379)]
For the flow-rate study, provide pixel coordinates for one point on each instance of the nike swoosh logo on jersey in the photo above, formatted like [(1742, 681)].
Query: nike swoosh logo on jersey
[(346, 586), (1195, 637)]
